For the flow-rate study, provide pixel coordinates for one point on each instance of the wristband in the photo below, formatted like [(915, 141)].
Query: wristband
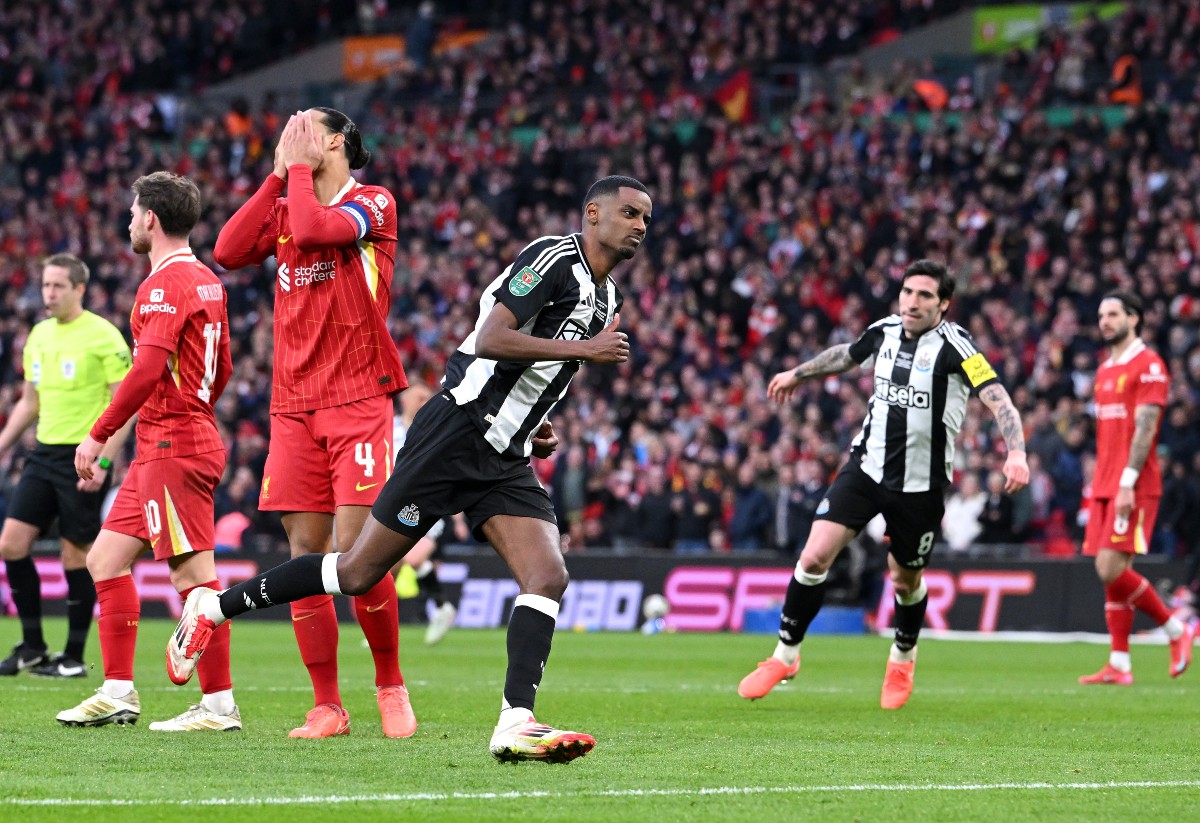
[(104, 463), (1129, 478)]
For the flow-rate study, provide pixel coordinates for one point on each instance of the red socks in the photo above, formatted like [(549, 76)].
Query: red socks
[(378, 614), (1129, 591), (213, 666), (120, 610), (315, 623)]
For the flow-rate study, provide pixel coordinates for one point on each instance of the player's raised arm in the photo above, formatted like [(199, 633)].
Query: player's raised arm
[(304, 148), (834, 360), (251, 233)]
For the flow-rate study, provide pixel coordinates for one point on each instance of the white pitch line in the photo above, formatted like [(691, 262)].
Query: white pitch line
[(418, 797)]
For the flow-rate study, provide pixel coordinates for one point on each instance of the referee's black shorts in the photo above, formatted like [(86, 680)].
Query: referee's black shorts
[(446, 467), (47, 489), (914, 519)]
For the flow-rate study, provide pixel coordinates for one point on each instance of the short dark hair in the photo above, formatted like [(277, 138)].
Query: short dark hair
[(175, 201), (77, 270), (611, 185), (936, 270), (339, 123), (1131, 303)]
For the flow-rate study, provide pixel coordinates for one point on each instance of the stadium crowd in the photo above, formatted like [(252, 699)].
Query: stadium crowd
[(771, 239)]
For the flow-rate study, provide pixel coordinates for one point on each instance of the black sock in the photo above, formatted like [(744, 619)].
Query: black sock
[(908, 623), (297, 578), (800, 606), (26, 588), (81, 600), (530, 633)]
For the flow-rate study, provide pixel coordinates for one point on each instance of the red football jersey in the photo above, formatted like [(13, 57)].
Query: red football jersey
[(1139, 378), (332, 344), (181, 307)]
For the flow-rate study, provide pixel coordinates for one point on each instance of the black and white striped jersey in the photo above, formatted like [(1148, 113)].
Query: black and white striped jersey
[(550, 290), (920, 398)]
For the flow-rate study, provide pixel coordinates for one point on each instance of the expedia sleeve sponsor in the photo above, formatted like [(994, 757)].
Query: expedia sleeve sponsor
[(364, 203), (896, 395), (978, 370), (159, 308)]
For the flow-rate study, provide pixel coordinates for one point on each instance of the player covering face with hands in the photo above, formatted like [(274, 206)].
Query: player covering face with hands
[(555, 307), (334, 371)]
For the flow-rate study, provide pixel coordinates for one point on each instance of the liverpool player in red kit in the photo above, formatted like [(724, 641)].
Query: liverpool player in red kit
[(335, 370), (181, 365), (1130, 393)]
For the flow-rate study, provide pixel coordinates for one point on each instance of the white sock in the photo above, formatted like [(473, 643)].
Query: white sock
[(510, 716), (210, 607), (897, 656), (329, 575), (1173, 628), (787, 654), (806, 579), (219, 702), (1120, 661), (538, 603), (916, 597), (117, 688)]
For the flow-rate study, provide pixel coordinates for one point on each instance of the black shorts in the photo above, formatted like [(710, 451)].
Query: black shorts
[(446, 467), (914, 519), (47, 490)]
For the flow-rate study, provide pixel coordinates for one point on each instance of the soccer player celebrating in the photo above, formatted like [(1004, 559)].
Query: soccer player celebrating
[(335, 370), (181, 365), (74, 361), (468, 450), (1130, 393), (899, 465)]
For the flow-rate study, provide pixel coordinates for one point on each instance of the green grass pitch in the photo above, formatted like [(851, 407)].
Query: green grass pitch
[(994, 731)]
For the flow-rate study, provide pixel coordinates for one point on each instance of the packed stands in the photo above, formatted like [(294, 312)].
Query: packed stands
[(773, 237)]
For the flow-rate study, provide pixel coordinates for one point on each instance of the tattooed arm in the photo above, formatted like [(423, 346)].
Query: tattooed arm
[(833, 360), (1016, 469), (1145, 419)]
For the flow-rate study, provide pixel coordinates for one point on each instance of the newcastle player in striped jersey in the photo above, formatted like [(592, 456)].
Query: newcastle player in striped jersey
[(468, 450), (899, 465)]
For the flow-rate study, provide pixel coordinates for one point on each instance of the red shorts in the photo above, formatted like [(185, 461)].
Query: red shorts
[(169, 503), (1133, 539), (319, 460)]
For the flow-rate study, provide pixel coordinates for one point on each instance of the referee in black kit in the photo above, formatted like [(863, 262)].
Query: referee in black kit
[(925, 369), (74, 361)]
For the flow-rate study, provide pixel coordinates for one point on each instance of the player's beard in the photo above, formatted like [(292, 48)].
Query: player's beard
[(1117, 338), (140, 243)]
